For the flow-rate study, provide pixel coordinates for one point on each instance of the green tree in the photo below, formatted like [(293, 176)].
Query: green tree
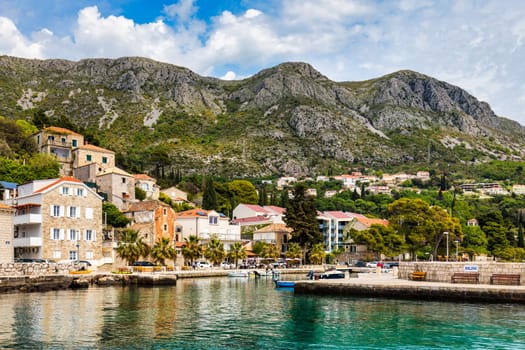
[(215, 250), (162, 250), (209, 198), (475, 241), (113, 216), (237, 253), (317, 254), (140, 194), (243, 191), (294, 252), (192, 249), (131, 246), (301, 217), (258, 247)]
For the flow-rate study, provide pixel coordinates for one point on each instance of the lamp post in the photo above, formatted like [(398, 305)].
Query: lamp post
[(457, 246), (446, 235)]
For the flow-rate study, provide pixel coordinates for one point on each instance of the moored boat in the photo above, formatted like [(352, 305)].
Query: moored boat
[(239, 274)]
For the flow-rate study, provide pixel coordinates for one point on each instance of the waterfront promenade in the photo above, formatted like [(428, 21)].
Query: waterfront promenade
[(390, 286)]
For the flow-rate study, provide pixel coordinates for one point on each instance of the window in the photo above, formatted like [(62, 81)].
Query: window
[(55, 233), (165, 211), (65, 190), (104, 160), (57, 254), (74, 143), (89, 235), (89, 213), (73, 212), (123, 180), (145, 187), (73, 235), (213, 220), (88, 157), (73, 255), (80, 192), (165, 227), (55, 210), (51, 138), (63, 140)]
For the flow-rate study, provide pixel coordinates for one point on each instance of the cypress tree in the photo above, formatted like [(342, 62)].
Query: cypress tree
[(209, 198)]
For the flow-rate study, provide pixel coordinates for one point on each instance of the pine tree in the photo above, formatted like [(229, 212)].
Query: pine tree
[(521, 242), (301, 216)]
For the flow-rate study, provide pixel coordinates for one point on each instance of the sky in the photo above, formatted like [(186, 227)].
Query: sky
[(478, 45)]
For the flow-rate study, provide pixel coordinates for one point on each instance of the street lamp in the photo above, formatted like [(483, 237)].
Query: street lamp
[(446, 234), (457, 245)]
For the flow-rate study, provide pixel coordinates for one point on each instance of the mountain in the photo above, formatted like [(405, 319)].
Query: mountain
[(288, 119)]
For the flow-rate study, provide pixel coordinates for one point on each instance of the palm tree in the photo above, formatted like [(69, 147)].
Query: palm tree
[(163, 250), (215, 251), (192, 249), (237, 252), (294, 251), (131, 247), (317, 254), (271, 252)]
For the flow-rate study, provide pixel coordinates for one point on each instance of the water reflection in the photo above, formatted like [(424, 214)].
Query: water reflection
[(241, 313)]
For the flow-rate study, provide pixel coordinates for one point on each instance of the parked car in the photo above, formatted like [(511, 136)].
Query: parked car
[(143, 263), (82, 262), (202, 264), (226, 265), (371, 264), (360, 264)]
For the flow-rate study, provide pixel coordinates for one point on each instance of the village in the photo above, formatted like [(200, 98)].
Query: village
[(62, 219)]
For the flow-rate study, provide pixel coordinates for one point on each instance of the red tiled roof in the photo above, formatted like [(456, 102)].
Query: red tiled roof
[(369, 221), (62, 179), (255, 207), (276, 209), (252, 219), (339, 214), (180, 244)]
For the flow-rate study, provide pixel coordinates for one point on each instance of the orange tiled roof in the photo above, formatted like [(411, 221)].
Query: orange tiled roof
[(62, 179), (143, 177), (196, 212), (95, 148), (3, 206), (60, 130), (369, 222), (275, 228)]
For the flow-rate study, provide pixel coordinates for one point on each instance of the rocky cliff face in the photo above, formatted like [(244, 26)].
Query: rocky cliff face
[(285, 119)]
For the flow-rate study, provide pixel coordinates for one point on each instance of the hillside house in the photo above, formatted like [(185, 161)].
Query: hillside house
[(148, 185), (176, 195), (59, 142), (58, 219), (117, 186)]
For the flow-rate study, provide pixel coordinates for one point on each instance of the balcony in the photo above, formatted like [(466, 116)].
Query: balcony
[(25, 219), (27, 242)]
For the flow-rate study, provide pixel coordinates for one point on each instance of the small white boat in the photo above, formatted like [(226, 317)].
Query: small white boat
[(239, 274)]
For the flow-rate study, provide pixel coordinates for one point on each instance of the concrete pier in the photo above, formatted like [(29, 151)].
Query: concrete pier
[(389, 286)]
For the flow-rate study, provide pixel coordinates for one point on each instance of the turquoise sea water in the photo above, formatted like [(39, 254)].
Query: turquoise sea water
[(235, 313)]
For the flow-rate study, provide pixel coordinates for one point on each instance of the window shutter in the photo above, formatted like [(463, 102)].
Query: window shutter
[(77, 213), (62, 234), (61, 210), (51, 210), (94, 235), (68, 211), (51, 233)]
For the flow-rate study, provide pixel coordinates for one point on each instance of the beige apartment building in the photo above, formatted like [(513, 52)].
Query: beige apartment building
[(58, 219), (6, 234)]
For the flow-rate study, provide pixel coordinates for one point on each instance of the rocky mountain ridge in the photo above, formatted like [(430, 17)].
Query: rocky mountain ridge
[(288, 119)]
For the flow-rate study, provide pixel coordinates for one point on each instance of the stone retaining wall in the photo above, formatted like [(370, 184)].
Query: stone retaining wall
[(443, 271), (36, 269)]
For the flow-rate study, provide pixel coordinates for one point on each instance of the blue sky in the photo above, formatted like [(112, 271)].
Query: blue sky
[(478, 45)]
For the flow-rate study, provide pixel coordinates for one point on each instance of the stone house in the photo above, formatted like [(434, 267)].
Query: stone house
[(278, 234), (153, 219), (148, 185), (59, 142), (6, 234), (58, 219), (176, 195), (117, 185)]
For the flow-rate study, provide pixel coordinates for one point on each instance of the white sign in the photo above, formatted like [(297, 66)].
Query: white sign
[(470, 268)]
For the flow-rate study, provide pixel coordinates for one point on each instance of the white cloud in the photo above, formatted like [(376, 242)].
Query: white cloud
[(229, 75)]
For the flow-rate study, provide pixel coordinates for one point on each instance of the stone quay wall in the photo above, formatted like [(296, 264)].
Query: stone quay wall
[(36, 269), (438, 271)]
